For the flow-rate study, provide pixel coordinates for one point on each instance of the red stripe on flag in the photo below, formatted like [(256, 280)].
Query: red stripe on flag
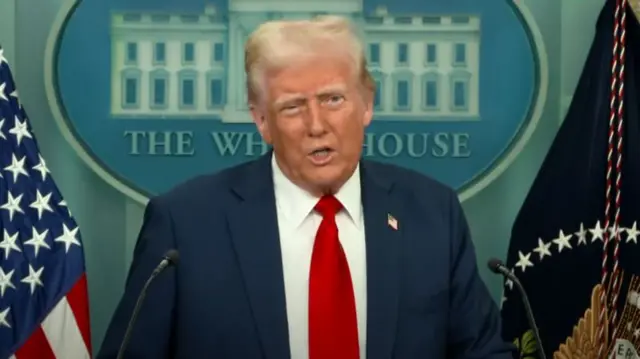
[(37, 346), (77, 298)]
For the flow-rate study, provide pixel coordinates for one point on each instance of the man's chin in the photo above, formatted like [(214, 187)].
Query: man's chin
[(327, 182)]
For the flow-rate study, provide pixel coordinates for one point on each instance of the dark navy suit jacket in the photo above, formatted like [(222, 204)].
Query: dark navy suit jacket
[(226, 297)]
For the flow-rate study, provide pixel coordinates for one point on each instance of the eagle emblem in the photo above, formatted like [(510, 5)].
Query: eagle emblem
[(583, 342)]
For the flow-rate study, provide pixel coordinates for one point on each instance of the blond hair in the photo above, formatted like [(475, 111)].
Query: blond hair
[(275, 44)]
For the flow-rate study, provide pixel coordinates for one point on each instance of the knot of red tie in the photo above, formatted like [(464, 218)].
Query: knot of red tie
[(328, 206)]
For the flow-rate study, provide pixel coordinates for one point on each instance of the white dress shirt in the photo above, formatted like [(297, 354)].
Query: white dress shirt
[(298, 224)]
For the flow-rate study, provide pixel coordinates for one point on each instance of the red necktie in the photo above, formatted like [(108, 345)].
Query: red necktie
[(333, 328)]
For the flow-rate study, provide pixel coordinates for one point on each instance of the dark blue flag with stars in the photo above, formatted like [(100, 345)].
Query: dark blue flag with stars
[(44, 311), (587, 192)]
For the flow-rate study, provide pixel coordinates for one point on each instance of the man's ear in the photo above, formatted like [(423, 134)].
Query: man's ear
[(259, 116), (368, 99)]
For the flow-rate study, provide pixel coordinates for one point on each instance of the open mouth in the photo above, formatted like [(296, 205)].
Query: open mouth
[(321, 155), (321, 151)]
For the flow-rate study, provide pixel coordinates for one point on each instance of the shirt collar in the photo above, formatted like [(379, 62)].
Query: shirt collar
[(296, 203)]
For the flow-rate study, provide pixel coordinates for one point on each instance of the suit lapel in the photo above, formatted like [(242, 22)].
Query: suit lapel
[(383, 250), (254, 230)]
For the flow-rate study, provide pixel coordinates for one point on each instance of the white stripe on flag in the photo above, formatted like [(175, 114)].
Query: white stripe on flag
[(62, 331)]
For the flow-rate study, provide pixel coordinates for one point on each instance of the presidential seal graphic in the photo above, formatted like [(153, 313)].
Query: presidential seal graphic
[(152, 92)]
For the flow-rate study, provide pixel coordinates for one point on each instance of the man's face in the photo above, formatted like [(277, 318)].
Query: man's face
[(314, 114)]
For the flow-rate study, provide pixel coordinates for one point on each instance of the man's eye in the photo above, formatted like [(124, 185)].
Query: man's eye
[(289, 108), (335, 100)]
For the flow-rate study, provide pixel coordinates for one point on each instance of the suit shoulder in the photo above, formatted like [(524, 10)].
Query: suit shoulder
[(212, 185), (411, 181)]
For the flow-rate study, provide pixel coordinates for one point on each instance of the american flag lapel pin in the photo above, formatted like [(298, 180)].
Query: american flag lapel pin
[(392, 222)]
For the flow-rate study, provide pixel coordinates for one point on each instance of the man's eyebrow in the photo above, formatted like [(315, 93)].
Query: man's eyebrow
[(329, 89), (332, 89), (288, 97)]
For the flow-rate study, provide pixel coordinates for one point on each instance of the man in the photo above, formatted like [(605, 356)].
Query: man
[(264, 272)]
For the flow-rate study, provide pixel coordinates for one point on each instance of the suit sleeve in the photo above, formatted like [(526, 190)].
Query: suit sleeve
[(152, 332), (474, 323)]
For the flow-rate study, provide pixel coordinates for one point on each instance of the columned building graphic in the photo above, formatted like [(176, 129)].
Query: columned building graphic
[(191, 66)]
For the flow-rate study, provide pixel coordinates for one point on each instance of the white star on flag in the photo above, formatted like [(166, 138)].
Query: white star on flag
[(632, 234), (563, 241)]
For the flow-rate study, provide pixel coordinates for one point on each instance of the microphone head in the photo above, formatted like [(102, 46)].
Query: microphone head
[(172, 256), (494, 265)]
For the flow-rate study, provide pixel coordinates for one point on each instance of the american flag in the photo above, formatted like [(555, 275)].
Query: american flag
[(392, 222), (44, 310)]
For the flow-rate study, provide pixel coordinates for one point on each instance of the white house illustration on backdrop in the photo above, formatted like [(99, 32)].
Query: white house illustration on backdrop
[(190, 66)]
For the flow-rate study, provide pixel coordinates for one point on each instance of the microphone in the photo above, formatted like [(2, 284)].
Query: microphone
[(496, 266), (170, 258)]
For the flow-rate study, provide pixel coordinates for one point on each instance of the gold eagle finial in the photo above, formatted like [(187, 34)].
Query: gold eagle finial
[(583, 344)]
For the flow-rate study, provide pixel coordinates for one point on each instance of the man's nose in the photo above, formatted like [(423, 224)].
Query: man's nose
[(315, 119)]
